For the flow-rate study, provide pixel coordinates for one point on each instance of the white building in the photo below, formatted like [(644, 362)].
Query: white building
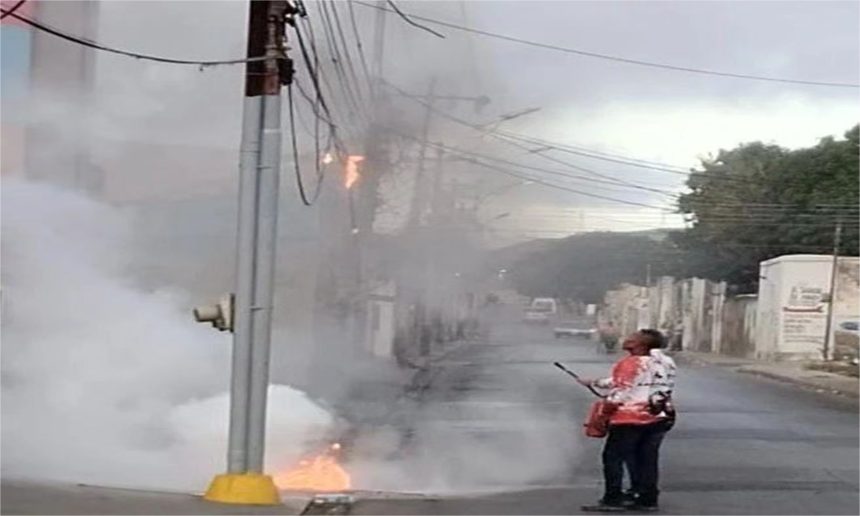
[(794, 292)]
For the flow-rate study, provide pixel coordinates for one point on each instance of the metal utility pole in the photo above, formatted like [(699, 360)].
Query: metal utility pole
[(436, 192), (418, 199), (421, 330), (834, 270), (438, 234), (420, 204), (363, 196), (259, 170), (378, 46)]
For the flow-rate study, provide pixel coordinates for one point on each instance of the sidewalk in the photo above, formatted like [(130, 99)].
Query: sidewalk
[(30, 497), (789, 372)]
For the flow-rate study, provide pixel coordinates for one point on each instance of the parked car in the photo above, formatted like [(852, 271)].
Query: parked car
[(573, 329), (536, 317), (546, 305)]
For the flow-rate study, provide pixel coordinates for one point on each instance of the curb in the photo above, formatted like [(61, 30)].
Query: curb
[(826, 382), (851, 392)]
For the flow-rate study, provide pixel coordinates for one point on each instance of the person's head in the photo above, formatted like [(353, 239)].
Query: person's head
[(643, 341)]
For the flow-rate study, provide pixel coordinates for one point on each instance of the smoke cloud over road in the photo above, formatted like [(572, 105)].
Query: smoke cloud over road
[(104, 382)]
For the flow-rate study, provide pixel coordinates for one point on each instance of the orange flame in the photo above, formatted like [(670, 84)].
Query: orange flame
[(321, 473), (352, 175)]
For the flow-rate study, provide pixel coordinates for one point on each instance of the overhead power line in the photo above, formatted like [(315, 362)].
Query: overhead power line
[(98, 46), (346, 52), (13, 9), (522, 141), (608, 57), (537, 180), (362, 59), (565, 175), (320, 102), (342, 62), (607, 179), (546, 145), (340, 102), (307, 201), (510, 141), (410, 21), (543, 145)]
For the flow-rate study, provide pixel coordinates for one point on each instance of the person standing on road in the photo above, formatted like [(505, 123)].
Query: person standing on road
[(639, 392), (609, 337)]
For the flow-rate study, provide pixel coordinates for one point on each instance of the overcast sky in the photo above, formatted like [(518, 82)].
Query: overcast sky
[(663, 115)]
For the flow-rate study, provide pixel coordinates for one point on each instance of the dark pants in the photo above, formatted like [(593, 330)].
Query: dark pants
[(637, 447)]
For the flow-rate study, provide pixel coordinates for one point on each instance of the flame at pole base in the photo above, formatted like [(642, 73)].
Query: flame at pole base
[(322, 473)]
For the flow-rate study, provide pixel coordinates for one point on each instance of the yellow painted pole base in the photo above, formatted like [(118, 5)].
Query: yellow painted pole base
[(247, 488)]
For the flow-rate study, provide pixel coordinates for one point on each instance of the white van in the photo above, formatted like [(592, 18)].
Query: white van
[(546, 305)]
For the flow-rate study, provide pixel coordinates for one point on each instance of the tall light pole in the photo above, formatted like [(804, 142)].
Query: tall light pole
[(250, 317)]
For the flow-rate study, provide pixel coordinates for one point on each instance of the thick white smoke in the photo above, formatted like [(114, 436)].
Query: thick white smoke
[(103, 382)]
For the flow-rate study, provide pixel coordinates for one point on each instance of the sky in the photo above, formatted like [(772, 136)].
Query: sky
[(661, 115), (654, 114)]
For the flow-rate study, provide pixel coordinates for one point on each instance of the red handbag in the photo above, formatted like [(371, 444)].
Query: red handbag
[(597, 424)]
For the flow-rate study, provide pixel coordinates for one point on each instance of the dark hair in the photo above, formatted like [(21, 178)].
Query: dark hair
[(653, 338)]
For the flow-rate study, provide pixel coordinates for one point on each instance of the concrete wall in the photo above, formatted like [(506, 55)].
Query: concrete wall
[(717, 293), (847, 305), (697, 324), (695, 307), (793, 299), (786, 320), (739, 326)]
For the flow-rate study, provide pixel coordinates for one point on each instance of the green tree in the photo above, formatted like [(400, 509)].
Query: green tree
[(759, 201), (584, 267)]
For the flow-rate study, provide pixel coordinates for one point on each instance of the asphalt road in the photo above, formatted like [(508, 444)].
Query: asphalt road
[(498, 432)]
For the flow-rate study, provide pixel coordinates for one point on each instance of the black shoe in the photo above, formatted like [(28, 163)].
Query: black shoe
[(629, 498), (606, 506), (638, 506)]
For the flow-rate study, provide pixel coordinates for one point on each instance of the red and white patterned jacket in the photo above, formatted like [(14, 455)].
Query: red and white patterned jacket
[(634, 381)]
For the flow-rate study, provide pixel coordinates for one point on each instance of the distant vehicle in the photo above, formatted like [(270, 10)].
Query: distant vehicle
[(533, 316), (572, 329), (846, 337), (850, 326), (546, 305)]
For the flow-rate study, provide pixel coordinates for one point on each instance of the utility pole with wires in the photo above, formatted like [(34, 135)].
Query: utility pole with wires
[(363, 197), (827, 351), (419, 197), (378, 47), (249, 313), (424, 211)]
